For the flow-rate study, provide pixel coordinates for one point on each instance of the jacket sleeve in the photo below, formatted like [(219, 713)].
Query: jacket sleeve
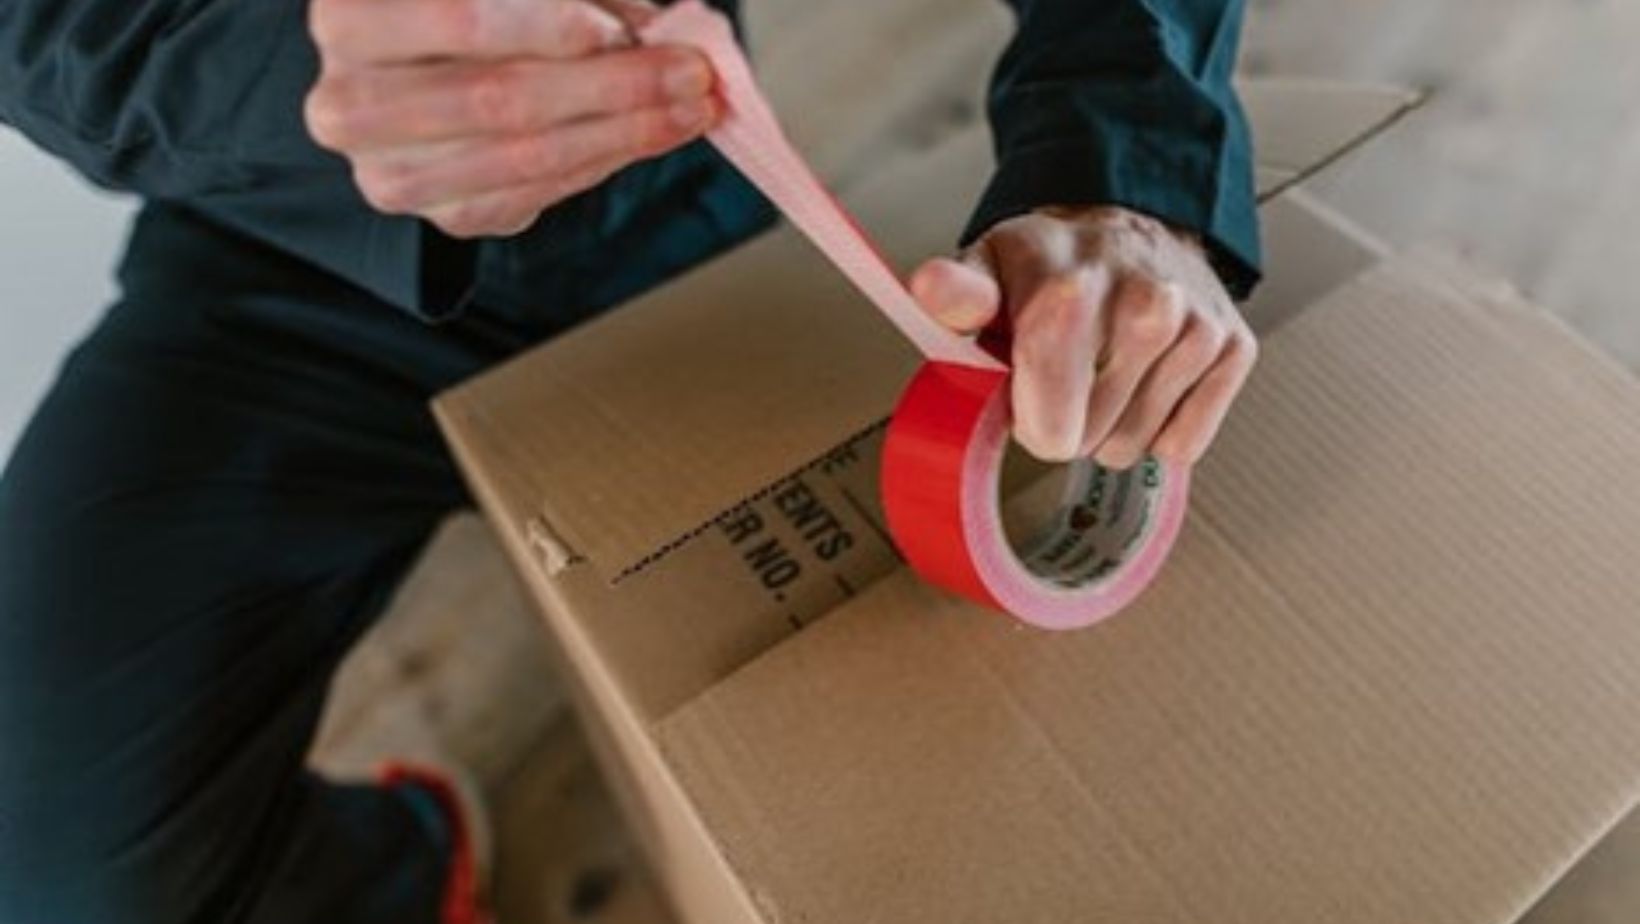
[(200, 101), (1127, 102)]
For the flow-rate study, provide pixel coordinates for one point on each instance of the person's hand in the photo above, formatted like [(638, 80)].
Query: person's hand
[(478, 115), (1124, 342)]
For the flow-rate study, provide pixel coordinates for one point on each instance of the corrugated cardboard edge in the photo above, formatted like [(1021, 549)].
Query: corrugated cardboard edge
[(1619, 814), (1387, 103), (1317, 250), (680, 849)]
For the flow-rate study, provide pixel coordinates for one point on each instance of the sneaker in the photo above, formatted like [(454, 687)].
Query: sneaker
[(459, 803)]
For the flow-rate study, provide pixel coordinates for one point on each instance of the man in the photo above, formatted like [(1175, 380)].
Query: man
[(354, 204)]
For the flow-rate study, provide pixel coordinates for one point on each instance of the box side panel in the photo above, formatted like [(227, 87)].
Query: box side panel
[(1391, 674), (683, 855)]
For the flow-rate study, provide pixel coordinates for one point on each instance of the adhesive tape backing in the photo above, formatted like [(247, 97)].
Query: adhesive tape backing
[(941, 485)]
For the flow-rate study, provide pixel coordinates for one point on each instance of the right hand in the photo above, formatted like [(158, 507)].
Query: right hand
[(478, 115)]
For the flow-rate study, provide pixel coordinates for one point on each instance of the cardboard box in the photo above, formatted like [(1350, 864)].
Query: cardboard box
[(1391, 673)]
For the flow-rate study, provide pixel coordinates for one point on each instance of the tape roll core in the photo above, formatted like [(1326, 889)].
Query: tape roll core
[(942, 469)]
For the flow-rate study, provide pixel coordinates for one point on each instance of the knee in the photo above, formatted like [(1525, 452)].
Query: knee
[(78, 844), (54, 868), (39, 885), (74, 844), (54, 858)]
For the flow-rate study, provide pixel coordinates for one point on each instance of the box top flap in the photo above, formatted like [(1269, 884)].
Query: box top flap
[(628, 435), (1300, 126), (1392, 672)]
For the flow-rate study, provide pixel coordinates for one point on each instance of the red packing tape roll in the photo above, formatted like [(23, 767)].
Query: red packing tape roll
[(943, 460), (942, 469)]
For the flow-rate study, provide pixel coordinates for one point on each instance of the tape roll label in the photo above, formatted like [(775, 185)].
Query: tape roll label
[(1103, 516)]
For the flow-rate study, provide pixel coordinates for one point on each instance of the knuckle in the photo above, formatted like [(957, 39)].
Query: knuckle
[(557, 190), (631, 80), (1204, 344), (325, 116), (1158, 314), (1068, 292), (651, 134), (1151, 332), (328, 24), (1166, 300), (387, 188), (336, 109), (1243, 346), (1054, 318), (463, 220), (578, 182), (1037, 342), (515, 223)]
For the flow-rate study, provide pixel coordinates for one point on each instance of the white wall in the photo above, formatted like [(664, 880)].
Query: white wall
[(59, 239)]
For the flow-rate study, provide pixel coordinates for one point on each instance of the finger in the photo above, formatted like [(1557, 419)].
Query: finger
[(1164, 386), (510, 211), (1056, 337), (1187, 435), (360, 32), (412, 181), (635, 13), (383, 107), (961, 295), (1144, 318)]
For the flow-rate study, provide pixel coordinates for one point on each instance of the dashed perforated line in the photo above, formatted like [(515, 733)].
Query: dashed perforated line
[(674, 544)]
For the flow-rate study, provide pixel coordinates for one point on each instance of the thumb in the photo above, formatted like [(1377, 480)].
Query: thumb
[(960, 294)]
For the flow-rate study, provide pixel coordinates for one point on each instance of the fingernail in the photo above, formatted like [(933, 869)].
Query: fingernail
[(691, 116), (689, 77), (972, 313)]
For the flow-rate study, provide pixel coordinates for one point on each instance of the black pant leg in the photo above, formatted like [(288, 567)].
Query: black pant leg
[(218, 495)]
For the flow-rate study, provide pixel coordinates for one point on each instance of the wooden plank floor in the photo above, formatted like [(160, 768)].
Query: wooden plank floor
[(458, 670), (1527, 159)]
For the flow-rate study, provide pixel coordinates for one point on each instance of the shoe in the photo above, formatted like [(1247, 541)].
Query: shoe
[(460, 804)]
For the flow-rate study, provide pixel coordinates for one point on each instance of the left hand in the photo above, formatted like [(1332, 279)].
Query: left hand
[(1124, 340)]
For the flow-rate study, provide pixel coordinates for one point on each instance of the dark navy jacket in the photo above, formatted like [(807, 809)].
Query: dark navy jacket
[(200, 102)]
